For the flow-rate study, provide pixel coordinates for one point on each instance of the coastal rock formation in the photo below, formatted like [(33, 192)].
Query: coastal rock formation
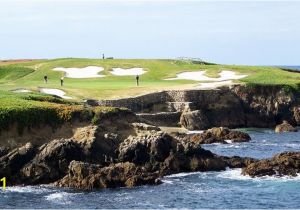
[(286, 163), (296, 115), (158, 151), (89, 176), (194, 120), (217, 135), (285, 127), (236, 106), (11, 163), (238, 162), (51, 162)]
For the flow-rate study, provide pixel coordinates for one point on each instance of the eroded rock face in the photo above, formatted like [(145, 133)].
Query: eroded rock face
[(158, 151), (51, 162), (296, 115), (146, 147), (285, 127), (98, 144), (238, 162), (12, 162), (194, 120), (88, 176), (286, 163), (265, 105), (217, 135)]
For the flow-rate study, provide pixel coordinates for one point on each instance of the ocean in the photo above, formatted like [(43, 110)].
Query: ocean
[(291, 67), (226, 189)]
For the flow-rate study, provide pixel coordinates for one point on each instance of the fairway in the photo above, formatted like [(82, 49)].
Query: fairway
[(30, 74)]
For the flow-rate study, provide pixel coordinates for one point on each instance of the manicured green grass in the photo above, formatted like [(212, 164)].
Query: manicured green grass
[(118, 87)]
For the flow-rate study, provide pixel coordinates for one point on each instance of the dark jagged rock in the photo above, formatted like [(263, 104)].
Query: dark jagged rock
[(154, 146), (3, 151), (12, 162), (89, 176), (296, 115), (194, 120), (238, 162), (286, 163), (98, 144), (285, 127), (51, 162), (159, 151), (216, 135)]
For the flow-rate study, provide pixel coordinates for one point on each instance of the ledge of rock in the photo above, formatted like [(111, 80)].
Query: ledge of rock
[(88, 176), (217, 135), (283, 164), (285, 127)]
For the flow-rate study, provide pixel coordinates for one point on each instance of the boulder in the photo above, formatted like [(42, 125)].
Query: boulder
[(217, 135), (145, 147), (11, 163), (283, 164), (90, 176), (98, 145), (194, 120), (285, 127), (51, 162)]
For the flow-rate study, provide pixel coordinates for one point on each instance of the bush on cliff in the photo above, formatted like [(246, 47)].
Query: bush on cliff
[(29, 110)]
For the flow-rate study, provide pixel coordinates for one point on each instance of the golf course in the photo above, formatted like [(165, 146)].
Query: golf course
[(157, 75)]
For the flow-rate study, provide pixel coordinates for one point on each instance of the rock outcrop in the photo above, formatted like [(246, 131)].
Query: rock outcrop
[(283, 164), (89, 176), (11, 163), (51, 162), (194, 120), (285, 127), (216, 135)]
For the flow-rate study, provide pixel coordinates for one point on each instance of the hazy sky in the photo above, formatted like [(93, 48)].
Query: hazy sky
[(232, 32)]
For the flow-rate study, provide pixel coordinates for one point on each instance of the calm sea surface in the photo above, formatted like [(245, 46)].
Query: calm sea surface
[(226, 189)]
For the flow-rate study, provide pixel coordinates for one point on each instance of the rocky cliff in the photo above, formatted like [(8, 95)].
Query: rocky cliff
[(236, 106)]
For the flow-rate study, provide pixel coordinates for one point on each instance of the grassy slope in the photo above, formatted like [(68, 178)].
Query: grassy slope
[(114, 86)]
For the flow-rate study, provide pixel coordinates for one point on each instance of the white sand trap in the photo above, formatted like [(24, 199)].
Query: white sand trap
[(199, 76), (127, 72), (21, 90), (212, 85), (56, 92), (86, 72)]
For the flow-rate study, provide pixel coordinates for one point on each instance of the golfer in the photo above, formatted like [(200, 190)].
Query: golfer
[(46, 78), (61, 81), (137, 79)]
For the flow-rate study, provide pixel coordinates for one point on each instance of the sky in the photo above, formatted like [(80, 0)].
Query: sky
[(228, 32)]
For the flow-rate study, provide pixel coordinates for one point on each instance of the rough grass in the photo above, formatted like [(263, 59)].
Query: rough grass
[(30, 110)]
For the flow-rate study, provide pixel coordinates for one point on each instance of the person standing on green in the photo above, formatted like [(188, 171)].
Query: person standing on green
[(137, 79), (61, 81)]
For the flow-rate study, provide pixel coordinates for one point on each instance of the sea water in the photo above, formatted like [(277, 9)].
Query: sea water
[(225, 189)]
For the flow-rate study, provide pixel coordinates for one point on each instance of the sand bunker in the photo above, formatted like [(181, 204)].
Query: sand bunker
[(86, 72), (127, 72), (212, 85), (56, 92), (199, 76)]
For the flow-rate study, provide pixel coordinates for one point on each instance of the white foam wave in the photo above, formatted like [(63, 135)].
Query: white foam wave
[(167, 181), (235, 174), (59, 197), (27, 189), (181, 174)]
